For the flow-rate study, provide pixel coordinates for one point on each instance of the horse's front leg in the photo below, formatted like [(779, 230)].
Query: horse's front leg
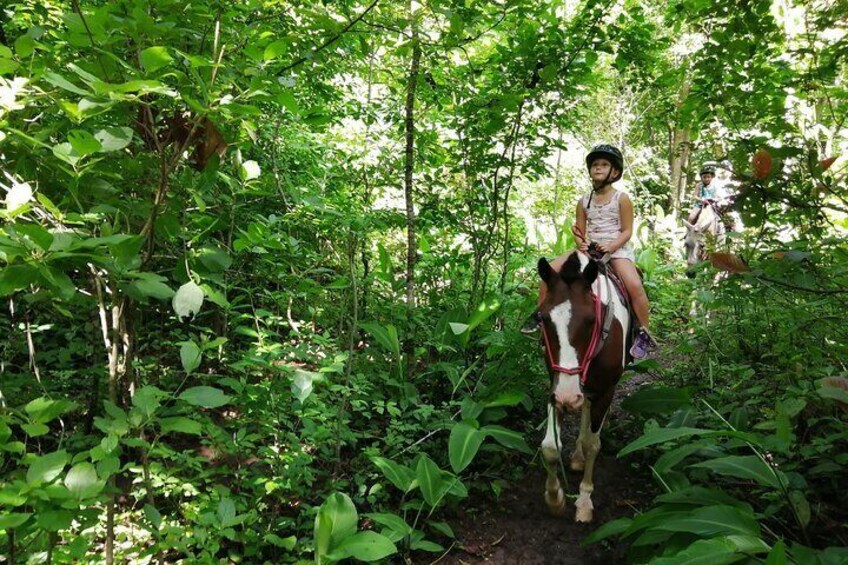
[(590, 443), (578, 460), (554, 497)]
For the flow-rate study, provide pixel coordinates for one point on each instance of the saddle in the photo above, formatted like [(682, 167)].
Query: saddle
[(602, 259)]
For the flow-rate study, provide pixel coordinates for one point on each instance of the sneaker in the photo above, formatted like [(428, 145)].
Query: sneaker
[(642, 345), (531, 325)]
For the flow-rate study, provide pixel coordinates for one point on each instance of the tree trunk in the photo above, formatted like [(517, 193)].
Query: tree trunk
[(678, 152), (679, 158), (409, 167), (506, 249)]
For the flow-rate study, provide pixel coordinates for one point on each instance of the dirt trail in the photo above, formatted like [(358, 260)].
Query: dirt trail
[(518, 529)]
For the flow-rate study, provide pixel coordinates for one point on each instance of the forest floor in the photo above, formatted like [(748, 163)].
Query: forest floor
[(516, 528)]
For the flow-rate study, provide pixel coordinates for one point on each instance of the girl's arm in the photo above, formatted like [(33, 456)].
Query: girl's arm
[(625, 210), (579, 228)]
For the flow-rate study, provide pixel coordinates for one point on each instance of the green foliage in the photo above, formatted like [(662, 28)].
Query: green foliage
[(207, 332)]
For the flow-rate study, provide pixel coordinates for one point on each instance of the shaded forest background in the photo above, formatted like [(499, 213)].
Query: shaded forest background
[(264, 266)]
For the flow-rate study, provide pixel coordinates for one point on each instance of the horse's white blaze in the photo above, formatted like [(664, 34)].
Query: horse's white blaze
[(568, 386)]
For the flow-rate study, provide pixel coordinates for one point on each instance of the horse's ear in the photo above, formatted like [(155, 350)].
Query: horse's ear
[(546, 272), (571, 269), (590, 273), (688, 225)]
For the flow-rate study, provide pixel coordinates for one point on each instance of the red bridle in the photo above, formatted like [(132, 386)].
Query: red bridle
[(583, 368)]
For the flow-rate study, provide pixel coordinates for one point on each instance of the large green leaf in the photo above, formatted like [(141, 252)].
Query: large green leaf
[(154, 58), (180, 424), (83, 142), (430, 480), (613, 528), (465, 441), (401, 476), (114, 139), (336, 520), (82, 481), (54, 520), (17, 277), (777, 555), (506, 398), (147, 399), (215, 259), (37, 234), (711, 521), (391, 521), (387, 336), (275, 49), (12, 520), (483, 311), (662, 435), (63, 83), (44, 410), (47, 467), (205, 396), (700, 496), (364, 546), (744, 467), (671, 458), (190, 356), (716, 551), (149, 287), (507, 438), (656, 400)]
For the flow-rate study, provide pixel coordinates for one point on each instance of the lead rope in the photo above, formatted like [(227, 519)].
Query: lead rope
[(558, 445)]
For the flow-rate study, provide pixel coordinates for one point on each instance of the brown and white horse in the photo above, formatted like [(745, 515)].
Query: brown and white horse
[(707, 223), (584, 364)]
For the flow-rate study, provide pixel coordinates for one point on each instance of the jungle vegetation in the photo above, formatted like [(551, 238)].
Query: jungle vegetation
[(264, 264)]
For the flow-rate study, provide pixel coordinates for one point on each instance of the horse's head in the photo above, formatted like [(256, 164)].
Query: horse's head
[(568, 315), (694, 243)]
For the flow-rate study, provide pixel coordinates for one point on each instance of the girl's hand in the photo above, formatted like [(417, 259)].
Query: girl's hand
[(582, 245), (605, 248)]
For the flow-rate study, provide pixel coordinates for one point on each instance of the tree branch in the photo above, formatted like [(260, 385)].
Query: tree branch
[(329, 41), (822, 291)]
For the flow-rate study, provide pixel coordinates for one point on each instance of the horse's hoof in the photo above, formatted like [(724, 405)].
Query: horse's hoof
[(556, 504), (584, 513), (583, 516)]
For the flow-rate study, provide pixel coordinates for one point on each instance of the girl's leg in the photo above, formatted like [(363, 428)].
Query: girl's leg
[(626, 270)]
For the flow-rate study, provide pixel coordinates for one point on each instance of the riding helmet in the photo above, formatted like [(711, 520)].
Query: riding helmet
[(609, 152), (708, 169)]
